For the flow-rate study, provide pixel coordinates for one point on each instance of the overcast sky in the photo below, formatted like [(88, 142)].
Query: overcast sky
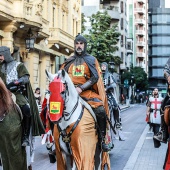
[(167, 3)]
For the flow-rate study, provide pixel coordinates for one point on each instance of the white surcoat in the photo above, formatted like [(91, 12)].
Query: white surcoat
[(155, 104)]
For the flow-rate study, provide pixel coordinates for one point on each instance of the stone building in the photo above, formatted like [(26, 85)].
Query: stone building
[(52, 24)]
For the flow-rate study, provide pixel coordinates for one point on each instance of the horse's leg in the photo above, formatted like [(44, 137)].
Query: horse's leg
[(97, 157), (61, 164)]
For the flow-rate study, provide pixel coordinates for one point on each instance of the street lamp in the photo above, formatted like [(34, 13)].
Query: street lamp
[(29, 40), (132, 83)]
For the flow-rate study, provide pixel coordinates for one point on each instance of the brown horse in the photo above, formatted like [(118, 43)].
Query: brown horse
[(75, 131), (12, 154)]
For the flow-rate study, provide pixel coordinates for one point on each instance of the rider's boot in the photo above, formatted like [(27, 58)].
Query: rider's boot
[(101, 120), (26, 131), (162, 135)]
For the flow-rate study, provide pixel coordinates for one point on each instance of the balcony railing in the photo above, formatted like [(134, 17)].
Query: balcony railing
[(113, 11), (57, 35), (140, 54), (140, 21), (140, 32), (140, 10), (140, 43)]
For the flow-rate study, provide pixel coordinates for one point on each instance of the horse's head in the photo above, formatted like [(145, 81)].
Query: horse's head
[(60, 93), (55, 100)]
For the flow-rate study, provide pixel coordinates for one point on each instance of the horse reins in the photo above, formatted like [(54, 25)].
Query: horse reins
[(67, 137), (74, 108)]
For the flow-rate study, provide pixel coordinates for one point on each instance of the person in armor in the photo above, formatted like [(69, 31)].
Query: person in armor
[(84, 71), (162, 135), (110, 87), (153, 112), (16, 77)]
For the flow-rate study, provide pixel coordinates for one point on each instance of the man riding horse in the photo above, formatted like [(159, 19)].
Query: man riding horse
[(110, 87), (84, 71), (16, 77)]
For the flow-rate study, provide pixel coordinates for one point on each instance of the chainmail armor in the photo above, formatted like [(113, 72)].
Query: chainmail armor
[(11, 71)]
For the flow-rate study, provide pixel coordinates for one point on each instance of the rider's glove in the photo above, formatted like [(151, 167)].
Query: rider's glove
[(18, 82), (12, 87)]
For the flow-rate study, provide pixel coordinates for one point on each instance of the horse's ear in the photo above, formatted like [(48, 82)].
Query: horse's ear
[(63, 73), (49, 75)]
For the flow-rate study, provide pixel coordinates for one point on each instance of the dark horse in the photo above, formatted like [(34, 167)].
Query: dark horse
[(12, 154)]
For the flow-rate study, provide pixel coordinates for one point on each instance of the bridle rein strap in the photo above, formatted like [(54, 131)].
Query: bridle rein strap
[(70, 114), (67, 137)]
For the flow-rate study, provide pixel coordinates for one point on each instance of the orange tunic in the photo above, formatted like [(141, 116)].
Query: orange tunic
[(80, 74)]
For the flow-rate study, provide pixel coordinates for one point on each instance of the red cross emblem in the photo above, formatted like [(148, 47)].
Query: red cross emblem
[(155, 107)]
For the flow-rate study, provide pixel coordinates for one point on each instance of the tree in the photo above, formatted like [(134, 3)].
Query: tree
[(140, 78), (83, 20), (102, 38)]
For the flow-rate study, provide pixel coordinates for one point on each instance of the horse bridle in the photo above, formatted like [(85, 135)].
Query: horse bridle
[(74, 108)]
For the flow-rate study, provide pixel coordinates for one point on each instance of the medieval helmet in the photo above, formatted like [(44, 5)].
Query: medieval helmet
[(5, 51), (80, 38)]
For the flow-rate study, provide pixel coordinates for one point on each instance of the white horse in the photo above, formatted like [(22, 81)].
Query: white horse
[(75, 132)]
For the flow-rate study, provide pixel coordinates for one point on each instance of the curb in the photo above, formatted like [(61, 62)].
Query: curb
[(134, 156)]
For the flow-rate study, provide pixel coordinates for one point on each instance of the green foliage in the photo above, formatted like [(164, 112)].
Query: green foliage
[(82, 22), (102, 38), (140, 78)]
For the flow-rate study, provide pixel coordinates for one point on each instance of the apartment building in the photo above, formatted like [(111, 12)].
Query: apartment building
[(159, 42), (140, 20), (51, 25)]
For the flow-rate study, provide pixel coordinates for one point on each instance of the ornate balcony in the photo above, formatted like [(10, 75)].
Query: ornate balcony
[(62, 38), (140, 54)]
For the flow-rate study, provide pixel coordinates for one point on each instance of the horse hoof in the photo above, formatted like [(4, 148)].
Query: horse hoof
[(52, 157), (30, 167)]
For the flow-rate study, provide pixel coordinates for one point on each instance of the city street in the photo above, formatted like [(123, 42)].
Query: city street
[(135, 153)]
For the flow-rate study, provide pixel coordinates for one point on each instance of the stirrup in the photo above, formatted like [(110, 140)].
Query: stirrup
[(25, 142)]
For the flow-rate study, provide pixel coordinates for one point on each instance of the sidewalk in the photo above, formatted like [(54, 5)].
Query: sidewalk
[(145, 156)]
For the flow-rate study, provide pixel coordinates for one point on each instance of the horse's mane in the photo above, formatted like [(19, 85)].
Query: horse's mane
[(5, 97)]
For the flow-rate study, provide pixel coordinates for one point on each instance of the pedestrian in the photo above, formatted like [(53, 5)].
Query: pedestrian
[(84, 71), (16, 77), (163, 135), (153, 112), (110, 87), (122, 98), (10, 126), (37, 95)]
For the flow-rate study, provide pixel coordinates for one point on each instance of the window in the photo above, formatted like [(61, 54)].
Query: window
[(121, 23), (121, 6), (122, 41), (122, 56)]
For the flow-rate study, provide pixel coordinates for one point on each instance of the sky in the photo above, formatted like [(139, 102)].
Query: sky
[(167, 3)]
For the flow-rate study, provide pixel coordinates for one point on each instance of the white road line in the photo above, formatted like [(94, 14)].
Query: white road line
[(133, 158)]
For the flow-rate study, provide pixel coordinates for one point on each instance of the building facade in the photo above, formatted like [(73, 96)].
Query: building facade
[(53, 24), (159, 43)]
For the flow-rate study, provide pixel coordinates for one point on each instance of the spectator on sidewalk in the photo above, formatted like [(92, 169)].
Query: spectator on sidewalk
[(153, 112)]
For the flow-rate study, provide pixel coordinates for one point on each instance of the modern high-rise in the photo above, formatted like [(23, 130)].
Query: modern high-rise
[(159, 43)]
